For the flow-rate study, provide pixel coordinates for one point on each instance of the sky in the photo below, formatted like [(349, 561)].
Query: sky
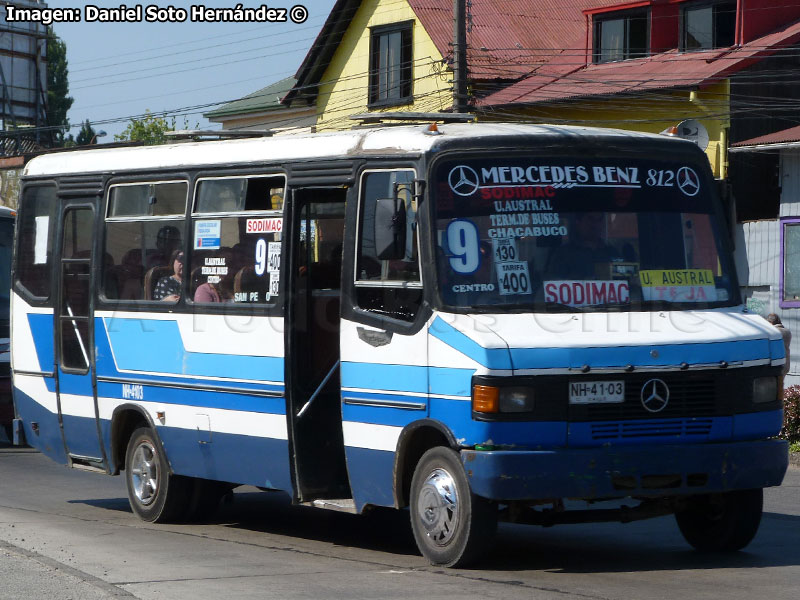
[(120, 70)]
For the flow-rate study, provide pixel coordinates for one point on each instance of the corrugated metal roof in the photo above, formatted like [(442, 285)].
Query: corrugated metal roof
[(536, 51), (268, 98), (666, 70), (786, 136), (510, 38)]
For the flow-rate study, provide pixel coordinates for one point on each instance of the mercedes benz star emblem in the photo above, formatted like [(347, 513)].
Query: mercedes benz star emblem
[(463, 180), (688, 181), (654, 395)]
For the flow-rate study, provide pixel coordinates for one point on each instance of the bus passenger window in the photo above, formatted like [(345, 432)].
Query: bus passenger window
[(144, 228), (236, 240), (36, 224), (392, 288)]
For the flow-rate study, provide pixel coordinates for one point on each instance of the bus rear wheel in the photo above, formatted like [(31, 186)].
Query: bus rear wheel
[(452, 526), (155, 495), (721, 522)]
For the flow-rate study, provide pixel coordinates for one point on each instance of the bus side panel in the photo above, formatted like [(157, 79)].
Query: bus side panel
[(371, 434), (189, 388), (35, 402), (384, 389), (35, 395)]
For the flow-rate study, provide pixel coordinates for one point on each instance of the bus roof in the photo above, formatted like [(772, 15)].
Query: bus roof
[(404, 139)]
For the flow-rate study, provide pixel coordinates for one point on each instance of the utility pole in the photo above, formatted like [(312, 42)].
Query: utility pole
[(460, 98)]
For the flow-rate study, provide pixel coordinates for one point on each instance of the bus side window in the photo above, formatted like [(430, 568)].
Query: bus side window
[(37, 228), (388, 287), (144, 226), (235, 236)]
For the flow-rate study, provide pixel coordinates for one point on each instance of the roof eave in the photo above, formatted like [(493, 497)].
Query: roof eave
[(766, 147), (323, 48)]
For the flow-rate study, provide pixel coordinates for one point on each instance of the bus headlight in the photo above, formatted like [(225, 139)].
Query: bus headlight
[(516, 399), (765, 389), (491, 399)]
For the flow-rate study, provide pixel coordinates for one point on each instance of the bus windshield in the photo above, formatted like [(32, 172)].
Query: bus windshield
[(572, 234)]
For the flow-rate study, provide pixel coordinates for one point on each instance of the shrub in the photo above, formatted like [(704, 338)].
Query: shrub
[(791, 414)]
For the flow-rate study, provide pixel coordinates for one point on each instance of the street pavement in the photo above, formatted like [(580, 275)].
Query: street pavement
[(67, 534)]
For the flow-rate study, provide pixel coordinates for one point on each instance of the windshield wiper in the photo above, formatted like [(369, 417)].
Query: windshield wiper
[(620, 305), (565, 307)]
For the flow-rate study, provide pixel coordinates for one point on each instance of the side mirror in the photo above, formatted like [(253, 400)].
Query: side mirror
[(390, 229)]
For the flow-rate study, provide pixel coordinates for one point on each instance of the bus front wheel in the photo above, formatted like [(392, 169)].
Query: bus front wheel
[(721, 522), (155, 495), (452, 526)]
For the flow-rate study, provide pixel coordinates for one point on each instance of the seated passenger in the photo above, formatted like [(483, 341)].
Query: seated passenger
[(170, 288), (207, 292)]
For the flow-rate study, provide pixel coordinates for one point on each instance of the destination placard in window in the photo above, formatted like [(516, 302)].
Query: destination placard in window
[(264, 225), (678, 285), (513, 278)]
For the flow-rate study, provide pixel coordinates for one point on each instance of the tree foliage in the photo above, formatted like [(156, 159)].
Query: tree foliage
[(58, 99), (86, 135), (150, 129)]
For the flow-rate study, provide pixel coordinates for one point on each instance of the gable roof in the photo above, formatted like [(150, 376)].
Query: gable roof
[(533, 51), (507, 39), (265, 99), (319, 55)]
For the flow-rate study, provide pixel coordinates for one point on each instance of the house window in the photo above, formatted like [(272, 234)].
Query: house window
[(708, 25), (391, 62), (621, 36), (790, 263)]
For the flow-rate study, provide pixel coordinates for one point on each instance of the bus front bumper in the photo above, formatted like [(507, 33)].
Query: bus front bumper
[(612, 472)]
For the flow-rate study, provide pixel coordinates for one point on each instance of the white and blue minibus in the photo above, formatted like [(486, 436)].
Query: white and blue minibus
[(477, 322)]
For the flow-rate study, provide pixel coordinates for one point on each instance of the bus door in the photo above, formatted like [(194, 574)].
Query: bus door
[(313, 272), (77, 387)]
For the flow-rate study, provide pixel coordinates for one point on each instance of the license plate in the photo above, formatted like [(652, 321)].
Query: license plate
[(596, 392)]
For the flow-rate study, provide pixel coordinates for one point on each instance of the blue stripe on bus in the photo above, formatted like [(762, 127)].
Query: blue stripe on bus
[(156, 346), (667, 354), (377, 376), (776, 348), (491, 358), (407, 378), (451, 382), (107, 368), (609, 356), (197, 398), (42, 332), (381, 415)]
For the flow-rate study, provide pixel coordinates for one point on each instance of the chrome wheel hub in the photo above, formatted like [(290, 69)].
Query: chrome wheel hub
[(437, 507), (144, 473)]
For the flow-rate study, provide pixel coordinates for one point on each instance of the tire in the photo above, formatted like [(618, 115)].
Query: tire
[(452, 526), (155, 495), (721, 522)]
